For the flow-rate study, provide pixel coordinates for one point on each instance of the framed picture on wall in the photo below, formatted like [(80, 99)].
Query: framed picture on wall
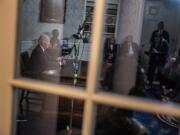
[(153, 10), (53, 11)]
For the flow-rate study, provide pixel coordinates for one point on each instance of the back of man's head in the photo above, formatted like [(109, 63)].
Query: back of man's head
[(44, 41), (161, 25), (55, 33)]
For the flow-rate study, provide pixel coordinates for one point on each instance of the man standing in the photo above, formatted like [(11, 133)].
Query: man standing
[(110, 51), (158, 52)]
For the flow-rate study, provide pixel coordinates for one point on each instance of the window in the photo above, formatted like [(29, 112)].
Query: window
[(90, 97), (110, 16)]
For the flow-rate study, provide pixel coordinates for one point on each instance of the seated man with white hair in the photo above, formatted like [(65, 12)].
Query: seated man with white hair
[(40, 60)]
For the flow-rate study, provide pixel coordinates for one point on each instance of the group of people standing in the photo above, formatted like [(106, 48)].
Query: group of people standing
[(124, 64), (162, 67), (120, 73), (121, 67)]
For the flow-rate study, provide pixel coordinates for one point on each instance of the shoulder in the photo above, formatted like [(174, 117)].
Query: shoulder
[(155, 31), (136, 46), (165, 42), (123, 45), (166, 32), (37, 49)]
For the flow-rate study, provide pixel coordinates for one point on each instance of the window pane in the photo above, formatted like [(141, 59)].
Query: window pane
[(147, 69), (55, 40), (45, 114), (111, 120)]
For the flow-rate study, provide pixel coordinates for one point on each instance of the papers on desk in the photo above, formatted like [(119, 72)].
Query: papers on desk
[(51, 72)]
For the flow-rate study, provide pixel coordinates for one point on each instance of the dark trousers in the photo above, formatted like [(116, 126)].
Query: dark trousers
[(153, 66), (108, 79)]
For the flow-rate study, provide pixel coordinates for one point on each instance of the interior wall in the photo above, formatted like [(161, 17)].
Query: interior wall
[(75, 12), (31, 27), (74, 16), (130, 20), (161, 10)]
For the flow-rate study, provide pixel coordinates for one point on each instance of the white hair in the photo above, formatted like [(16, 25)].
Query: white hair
[(44, 36)]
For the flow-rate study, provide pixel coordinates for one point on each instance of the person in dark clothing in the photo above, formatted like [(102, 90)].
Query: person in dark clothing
[(158, 52), (171, 77), (110, 51), (159, 32), (117, 121), (40, 60)]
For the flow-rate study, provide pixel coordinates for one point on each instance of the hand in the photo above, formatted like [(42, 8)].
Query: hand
[(61, 61), (155, 51), (59, 58), (164, 40), (110, 56), (173, 59)]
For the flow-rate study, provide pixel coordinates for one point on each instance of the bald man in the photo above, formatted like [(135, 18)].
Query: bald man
[(40, 61)]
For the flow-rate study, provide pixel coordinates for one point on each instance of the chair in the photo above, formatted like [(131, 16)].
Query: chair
[(29, 97), (24, 59), (24, 62)]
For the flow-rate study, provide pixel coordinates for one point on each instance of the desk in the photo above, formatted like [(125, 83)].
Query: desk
[(65, 74), (59, 106), (74, 131), (59, 110)]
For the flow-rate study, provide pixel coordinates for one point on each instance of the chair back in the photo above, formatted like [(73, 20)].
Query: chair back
[(24, 62)]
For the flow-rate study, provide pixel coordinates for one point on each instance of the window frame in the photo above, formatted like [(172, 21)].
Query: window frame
[(8, 81)]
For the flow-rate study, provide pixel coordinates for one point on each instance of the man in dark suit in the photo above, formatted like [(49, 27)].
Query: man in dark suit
[(110, 51), (158, 52), (157, 57), (159, 32), (40, 60)]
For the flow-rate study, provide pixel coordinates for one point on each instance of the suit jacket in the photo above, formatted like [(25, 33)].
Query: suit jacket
[(164, 34), (161, 57), (39, 60), (124, 49), (126, 69), (108, 52)]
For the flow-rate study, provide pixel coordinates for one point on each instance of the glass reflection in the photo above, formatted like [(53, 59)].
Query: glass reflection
[(45, 114), (149, 69), (55, 40), (116, 121)]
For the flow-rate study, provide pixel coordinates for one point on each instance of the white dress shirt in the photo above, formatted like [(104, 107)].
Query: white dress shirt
[(130, 52)]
